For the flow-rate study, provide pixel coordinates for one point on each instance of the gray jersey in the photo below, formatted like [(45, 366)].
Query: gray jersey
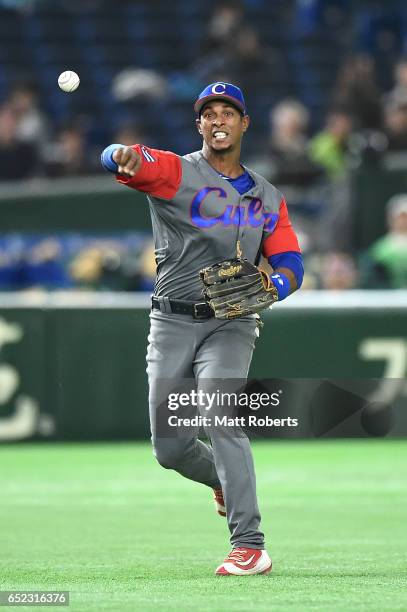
[(198, 218)]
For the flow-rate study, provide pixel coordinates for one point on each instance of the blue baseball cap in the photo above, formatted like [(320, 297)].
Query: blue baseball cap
[(221, 91)]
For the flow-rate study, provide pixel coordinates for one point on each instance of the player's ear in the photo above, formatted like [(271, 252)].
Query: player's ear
[(246, 122), (198, 125)]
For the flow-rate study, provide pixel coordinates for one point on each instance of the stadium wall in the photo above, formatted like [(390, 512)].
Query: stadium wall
[(72, 366)]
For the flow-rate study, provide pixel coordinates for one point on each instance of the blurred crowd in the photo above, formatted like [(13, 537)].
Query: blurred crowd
[(310, 158), (72, 261), (314, 168), (31, 146)]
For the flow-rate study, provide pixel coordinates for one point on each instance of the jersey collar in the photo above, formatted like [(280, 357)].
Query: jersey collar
[(254, 191)]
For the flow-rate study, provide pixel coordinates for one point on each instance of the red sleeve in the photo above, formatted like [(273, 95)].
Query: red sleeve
[(160, 173), (283, 238)]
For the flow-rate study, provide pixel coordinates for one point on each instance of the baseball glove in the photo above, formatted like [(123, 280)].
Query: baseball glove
[(234, 288)]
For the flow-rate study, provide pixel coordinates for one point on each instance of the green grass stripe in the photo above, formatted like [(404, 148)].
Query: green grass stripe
[(107, 523)]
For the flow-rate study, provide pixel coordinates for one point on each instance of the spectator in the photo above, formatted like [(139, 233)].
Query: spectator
[(31, 125), (43, 267), (226, 20), (104, 266), (290, 162), (67, 155), (329, 147), (18, 160), (245, 60), (338, 272), (129, 271), (396, 124), (128, 134), (385, 263), (357, 92), (111, 276), (134, 83), (399, 91), (87, 267)]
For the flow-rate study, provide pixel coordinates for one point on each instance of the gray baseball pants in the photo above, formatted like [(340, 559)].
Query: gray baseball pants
[(181, 348)]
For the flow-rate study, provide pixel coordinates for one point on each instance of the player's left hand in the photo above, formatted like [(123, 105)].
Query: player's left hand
[(235, 288)]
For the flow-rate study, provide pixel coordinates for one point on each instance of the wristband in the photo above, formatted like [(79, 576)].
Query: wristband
[(106, 158), (282, 284), (291, 260)]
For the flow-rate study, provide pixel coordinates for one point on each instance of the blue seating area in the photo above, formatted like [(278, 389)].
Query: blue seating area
[(44, 260), (98, 39)]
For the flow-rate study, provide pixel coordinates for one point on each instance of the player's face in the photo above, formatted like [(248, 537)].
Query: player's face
[(222, 126)]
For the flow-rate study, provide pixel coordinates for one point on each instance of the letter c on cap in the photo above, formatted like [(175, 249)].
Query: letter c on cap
[(215, 88)]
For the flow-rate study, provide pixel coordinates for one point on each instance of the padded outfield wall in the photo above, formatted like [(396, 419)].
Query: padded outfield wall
[(72, 366)]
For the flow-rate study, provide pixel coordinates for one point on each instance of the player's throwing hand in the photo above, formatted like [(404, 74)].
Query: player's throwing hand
[(128, 161)]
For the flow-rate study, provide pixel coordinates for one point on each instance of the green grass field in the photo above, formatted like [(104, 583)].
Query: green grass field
[(120, 533)]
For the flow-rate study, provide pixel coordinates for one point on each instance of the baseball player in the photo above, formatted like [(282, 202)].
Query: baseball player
[(212, 219)]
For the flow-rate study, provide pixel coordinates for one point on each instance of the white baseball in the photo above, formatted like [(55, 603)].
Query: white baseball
[(68, 81)]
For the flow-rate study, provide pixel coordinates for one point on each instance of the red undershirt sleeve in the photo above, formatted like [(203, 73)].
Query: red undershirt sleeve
[(160, 173), (283, 238)]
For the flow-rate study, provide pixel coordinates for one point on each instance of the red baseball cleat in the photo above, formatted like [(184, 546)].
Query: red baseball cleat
[(245, 562), (219, 502)]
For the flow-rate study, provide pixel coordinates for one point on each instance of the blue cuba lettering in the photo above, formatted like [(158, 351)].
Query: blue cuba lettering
[(231, 215)]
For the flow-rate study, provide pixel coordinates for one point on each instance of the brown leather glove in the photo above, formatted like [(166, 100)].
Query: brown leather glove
[(235, 287)]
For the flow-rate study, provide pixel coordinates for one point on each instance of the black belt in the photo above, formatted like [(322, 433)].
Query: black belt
[(198, 310)]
